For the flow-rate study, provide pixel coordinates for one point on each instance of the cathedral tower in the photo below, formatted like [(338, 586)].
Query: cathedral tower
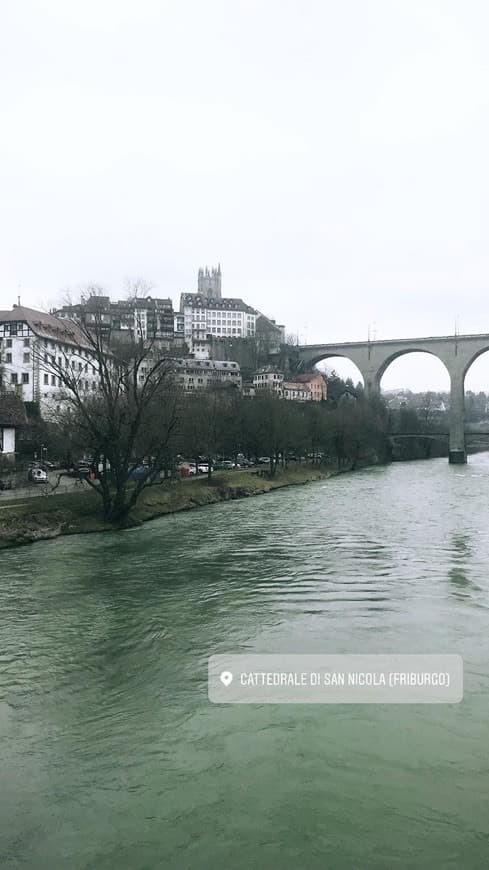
[(209, 283)]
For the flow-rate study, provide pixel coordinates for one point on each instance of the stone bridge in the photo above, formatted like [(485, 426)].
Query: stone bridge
[(373, 358)]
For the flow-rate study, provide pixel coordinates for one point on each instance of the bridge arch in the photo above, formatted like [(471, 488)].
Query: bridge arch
[(475, 356), (405, 352), (322, 357), (351, 371)]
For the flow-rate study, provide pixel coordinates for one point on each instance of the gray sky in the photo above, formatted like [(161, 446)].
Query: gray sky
[(332, 156)]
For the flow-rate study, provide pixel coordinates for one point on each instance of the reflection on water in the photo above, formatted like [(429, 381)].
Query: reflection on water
[(111, 756)]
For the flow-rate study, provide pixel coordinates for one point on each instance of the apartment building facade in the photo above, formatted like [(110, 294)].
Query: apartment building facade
[(268, 378), (205, 319), (199, 374), (145, 318), (31, 343)]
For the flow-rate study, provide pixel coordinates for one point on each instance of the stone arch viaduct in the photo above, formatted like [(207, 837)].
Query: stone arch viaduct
[(456, 352)]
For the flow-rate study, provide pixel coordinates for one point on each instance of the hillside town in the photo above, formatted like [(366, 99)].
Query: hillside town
[(210, 341)]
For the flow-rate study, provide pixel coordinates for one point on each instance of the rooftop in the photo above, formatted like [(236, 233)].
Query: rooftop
[(197, 300), (306, 377), (46, 325)]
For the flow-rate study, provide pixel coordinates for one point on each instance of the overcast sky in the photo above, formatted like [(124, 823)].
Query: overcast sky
[(331, 155)]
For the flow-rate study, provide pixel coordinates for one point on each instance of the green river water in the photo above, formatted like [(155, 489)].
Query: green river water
[(112, 757)]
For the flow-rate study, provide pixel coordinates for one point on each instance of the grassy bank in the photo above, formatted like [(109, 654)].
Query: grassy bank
[(41, 518)]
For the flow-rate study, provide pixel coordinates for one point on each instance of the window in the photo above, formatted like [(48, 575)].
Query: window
[(13, 378), (53, 380), (46, 380), (27, 342), (9, 342), (8, 356), (27, 358), (25, 377)]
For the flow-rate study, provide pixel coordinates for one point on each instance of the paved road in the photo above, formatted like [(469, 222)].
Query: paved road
[(33, 490)]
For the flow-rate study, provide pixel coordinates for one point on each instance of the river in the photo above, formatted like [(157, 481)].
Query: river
[(111, 756)]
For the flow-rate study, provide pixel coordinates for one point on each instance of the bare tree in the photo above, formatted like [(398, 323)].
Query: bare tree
[(128, 416)]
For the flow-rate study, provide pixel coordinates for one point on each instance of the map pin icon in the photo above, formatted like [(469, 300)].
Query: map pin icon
[(226, 678)]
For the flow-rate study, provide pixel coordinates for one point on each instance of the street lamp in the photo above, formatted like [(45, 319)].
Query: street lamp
[(372, 331)]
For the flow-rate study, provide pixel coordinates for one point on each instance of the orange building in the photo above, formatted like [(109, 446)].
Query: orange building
[(314, 382)]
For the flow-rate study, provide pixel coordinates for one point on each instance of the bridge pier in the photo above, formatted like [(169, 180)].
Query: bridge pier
[(371, 383), (457, 453)]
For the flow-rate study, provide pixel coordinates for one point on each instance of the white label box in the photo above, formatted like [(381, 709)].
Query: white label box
[(335, 679)]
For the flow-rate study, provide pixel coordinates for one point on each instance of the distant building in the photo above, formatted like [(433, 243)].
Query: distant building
[(314, 382), (198, 374), (296, 392), (145, 318), (12, 418), (210, 318), (179, 327), (248, 390), (268, 378), (269, 334), (207, 316), (309, 387)]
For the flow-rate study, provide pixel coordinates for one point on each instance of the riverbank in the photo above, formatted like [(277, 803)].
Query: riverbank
[(43, 518)]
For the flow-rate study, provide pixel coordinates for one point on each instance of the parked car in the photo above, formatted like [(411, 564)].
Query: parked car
[(203, 468), (190, 466), (37, 475), (81, 469), (263, 460)]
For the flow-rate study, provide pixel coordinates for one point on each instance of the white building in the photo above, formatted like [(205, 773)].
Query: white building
[(200, 374), (207, 316), (31, 343), (179, 324), (296, 392), (268, 378), (204, 319)]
